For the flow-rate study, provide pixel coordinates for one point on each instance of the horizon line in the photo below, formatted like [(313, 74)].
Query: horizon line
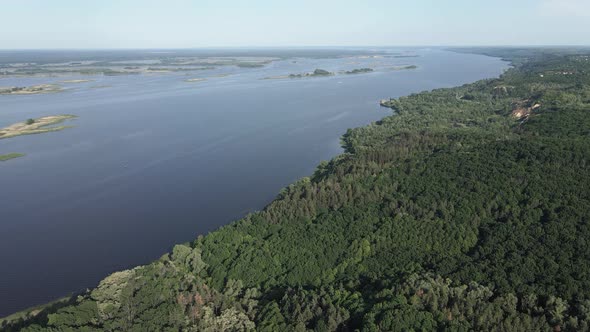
[(295, 47)]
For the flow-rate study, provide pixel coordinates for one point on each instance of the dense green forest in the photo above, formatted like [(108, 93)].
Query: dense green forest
[(466, 210)]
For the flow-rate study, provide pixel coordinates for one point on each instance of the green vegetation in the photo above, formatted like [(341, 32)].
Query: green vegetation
[(467, 210), (8, 156), (321, 72), (359, 71)]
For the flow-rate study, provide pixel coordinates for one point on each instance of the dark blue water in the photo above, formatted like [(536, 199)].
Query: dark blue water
[(153, 160)]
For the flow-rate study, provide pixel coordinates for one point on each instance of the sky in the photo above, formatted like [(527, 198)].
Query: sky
[(43, 24)]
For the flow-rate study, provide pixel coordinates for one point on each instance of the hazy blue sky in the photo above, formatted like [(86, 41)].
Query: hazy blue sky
[(211, 23)]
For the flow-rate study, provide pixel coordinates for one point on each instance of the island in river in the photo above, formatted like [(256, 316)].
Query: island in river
[(8, 156), (408, 67), (29, 90), (147, 63), (316, 73), (359, 71), (32, 126), (324, 73), (193, 80), (36, 126), (76, 81)]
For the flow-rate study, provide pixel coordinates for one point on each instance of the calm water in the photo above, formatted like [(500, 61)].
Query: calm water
[(153, 160)]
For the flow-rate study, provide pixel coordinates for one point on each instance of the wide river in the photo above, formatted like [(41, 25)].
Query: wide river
[(153, 160)]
